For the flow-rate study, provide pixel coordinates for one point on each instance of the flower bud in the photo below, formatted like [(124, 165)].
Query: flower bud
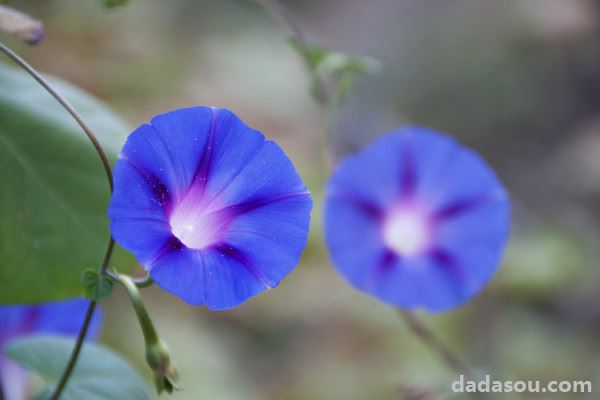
[(166, 376)]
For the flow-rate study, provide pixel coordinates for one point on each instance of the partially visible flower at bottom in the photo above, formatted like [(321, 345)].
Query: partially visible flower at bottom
[(62, 318), (416, 220), (211, 209)]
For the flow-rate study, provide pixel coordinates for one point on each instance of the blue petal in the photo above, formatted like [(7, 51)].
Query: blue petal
[(383, 161), (272, 236), (475, 239), (138, 218), (170, 149), (66, 317), (220, 278), (231, 278), (354, 240), (60, 317), (182, 273), (234, 146), (424, 282), (136, 196), (269, 174), (145, 238), (447, 286), (467, 180), (431, 154), (185, 135), (446, 172), (11, 318), (399, 283)]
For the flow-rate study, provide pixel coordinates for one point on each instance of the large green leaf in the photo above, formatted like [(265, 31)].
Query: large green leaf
[(99, 374), (54, 194)]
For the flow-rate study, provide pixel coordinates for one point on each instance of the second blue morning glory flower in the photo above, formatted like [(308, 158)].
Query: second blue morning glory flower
[(416, 220), (214, 211)]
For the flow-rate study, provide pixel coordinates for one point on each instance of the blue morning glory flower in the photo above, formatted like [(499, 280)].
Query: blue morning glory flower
[(211, 209), (416, 220), (57, 318)]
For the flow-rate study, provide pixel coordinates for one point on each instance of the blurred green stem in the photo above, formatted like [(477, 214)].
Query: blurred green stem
[(449, 357), (166, 376), (281, 14), (150, 335), (64, 379), (323, 93), (452, 360), (141, 283), (82, 331)]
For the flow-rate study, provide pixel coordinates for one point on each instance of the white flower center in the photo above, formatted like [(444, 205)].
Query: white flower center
[(194, 225), (407, 231)]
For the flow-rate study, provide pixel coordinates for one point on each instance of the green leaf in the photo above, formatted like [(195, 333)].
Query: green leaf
[(95, 287), (99, 374), (54, 193)]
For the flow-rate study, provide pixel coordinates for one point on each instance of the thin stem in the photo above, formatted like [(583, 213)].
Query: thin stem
[(107, 169), (280, 13), (66, 105), (323, 96), (421, 330), (148, 329), (83, 331), (166, 376), (107, 255), (142, 282), (75, 354)]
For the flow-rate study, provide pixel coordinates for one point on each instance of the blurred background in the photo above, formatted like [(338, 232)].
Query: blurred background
[(518, 80)]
